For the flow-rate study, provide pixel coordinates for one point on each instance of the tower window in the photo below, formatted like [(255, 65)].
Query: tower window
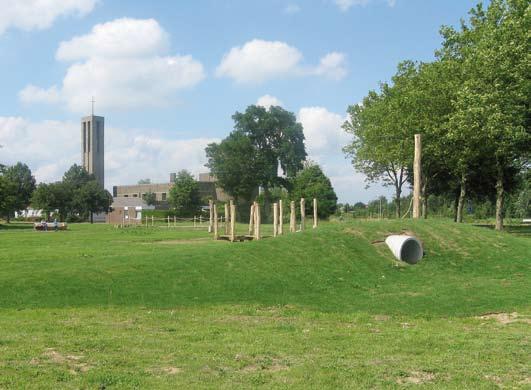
[(88, 138), (84, 137)]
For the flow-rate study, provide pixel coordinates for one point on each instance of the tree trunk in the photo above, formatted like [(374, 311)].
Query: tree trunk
[(425, 197), (398, 194), (456, 202), (500, 192), (91, 217), (462, 196), (267, 204)]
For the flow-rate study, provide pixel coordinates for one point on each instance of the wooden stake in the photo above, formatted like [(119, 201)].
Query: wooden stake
[(232, 222), (280, 217), (417, 169), (211, 215), (275, 219), (175, 221), (292, 217), (227, 219), (251, 220), (152, 221), (257, 222), (215, 217), (168, 221), (303, 214), (314, 213)]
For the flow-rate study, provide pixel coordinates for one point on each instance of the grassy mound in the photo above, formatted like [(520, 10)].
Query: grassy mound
[(159, 308)]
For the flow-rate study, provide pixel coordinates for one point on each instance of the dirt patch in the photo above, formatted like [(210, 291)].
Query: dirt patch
[(505, 318), (416, 378), (354, 232), (381, 317), (73, 362), (166, 370)]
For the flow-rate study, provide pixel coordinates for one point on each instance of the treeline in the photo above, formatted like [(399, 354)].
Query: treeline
[(75, 198), (471, 106), (264, 143)]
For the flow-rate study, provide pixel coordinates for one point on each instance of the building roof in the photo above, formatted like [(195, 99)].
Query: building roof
[(121, 201)]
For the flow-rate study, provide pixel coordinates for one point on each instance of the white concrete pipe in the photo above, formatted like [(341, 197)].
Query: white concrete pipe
[(405, 248)]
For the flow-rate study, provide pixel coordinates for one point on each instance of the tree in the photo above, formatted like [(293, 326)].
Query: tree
[(277, 140), (44, 199), (492, 104), (383, 129), (184, 194), (91, 198), (18, 184), (150, 198), (232, 163), (312, 183)]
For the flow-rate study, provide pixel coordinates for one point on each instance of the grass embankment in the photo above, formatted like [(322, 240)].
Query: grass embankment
[(164, 307)]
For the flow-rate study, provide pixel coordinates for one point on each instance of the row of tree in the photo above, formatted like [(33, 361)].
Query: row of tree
[(264, 157), (471, 106), (76, 197)]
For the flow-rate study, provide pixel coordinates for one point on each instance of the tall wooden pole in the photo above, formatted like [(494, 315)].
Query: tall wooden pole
[(275, 219), (211, 215), (303, 214), (280, 217), (417, 176), (251, 220), (314, 213), (292, 217), (227, 219), (257, 222), (215, 216), (232, 222)]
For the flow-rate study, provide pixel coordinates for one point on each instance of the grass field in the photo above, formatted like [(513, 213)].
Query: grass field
[(98, 307)]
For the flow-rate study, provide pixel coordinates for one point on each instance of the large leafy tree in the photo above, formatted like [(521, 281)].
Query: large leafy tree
[(16, 189), (312, 183), (91, 198), (232, 163), (492, 104), (184, 194)]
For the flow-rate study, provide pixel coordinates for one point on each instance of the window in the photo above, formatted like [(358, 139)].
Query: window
[(135, 195), (163, 196), (126, 196)]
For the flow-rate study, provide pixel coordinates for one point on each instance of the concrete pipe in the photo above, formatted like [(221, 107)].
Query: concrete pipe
[(405, 248)]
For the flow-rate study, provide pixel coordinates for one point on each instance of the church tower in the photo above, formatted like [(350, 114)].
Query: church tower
[(92, 146)]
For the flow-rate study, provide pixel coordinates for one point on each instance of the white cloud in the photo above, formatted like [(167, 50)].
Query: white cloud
[(121, 38), (38, 14), (258, 60), (332, 66), (323, 132), (292, 8), (51, 147), (267, 101), (122, 64), (345, 5)]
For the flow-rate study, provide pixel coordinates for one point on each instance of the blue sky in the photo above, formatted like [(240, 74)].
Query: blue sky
[(168, 75)]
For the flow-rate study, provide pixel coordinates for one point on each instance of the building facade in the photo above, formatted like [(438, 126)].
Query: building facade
[(206, 183), (93, 147)]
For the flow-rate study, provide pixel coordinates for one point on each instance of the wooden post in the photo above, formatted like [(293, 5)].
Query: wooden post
[(175, 221), (211, 215), (232, 222), (168, 221), (275, 219), (292, 217), (146, 221), (215, 217), (152, 221), (280, 217), (417, 176), (195, 221), (303, 214), (314, 213), (227, 219), (251, 220), (257, 221)]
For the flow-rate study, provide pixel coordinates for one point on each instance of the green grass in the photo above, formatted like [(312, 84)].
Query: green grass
[(167, 307)]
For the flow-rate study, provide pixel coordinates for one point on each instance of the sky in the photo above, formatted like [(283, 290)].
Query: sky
[(168, 76)]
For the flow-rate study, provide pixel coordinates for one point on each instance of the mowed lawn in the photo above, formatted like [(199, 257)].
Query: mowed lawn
[(99, 307)]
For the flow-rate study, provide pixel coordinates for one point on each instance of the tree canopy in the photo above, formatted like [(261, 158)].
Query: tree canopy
[(312, 183), (184, 195)]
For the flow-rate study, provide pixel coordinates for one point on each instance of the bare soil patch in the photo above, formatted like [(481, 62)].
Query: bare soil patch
[(180, 242), (505, 318), (73, 362), (416, 378)]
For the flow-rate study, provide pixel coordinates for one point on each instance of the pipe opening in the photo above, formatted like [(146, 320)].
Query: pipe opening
[(411, 251)]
